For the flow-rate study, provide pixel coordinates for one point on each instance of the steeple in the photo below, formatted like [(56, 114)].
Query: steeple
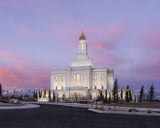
[(82, 37), (82, 59)]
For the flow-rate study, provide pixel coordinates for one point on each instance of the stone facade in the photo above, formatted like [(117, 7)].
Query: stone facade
[(82, 80)]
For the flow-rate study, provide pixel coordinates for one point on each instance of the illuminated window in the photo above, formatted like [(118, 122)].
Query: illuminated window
[(82, 47), (81, 77), (95, 77), (78, 77), (74, 77), (62, 78), (102, 77), (56, 78)]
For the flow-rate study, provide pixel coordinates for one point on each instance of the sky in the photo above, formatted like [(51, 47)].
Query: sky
[(40, 36)]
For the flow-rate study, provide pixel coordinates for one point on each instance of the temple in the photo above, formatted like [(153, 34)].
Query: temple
[(82, 80)]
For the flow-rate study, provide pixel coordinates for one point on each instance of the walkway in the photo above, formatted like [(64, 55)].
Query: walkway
[(120, 110), (23, 106)]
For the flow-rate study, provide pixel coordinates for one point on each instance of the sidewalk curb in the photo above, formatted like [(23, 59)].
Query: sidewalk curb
[(26, 106), (125, 112)]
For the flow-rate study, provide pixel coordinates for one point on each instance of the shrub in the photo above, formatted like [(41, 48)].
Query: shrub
[(114, 109), (101, 108), (149, 111), (130, 110), (109, 108)]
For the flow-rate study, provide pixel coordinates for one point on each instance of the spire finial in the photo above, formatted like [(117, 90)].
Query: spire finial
[(82, 37)]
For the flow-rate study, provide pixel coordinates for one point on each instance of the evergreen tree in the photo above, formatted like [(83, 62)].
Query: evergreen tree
[(0, 91), (54, 97), (49, 95), (115, 88), (40, 94), (44, 95), (106, 95), (109, 100), (101, 96), (151, 93), (141, 94), (130, 95), (127, 93), (36, 95), (148, 97)]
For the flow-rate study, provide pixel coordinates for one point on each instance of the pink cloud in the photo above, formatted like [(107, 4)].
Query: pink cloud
[(106, 31), (21, 77), (151, 38), (103, 59), (148, 70), (14, 58), (27, 32), (101, 44)]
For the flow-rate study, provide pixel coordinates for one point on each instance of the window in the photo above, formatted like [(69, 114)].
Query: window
[(78, 77), (95, 87), (95, 77), (74, 77), (82, 47), (102, 77), (56, 78), (62, 78), (62, 87), (81, 77), (56, 87), (102, 86)]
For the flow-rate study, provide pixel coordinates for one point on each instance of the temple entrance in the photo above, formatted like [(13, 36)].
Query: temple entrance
[(75, 96), (71, 96), (79, 96)]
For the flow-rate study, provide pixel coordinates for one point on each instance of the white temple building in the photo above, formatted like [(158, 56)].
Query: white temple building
[(82, 80)]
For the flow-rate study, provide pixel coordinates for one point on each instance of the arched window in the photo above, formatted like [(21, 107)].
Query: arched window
[(74, 77), (102, 77), (82, 47), (95, 77), (62, 78), (78, 77), (81, 77), (56, 78)]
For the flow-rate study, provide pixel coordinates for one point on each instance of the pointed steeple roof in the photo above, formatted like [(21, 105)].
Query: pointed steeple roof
[(82, 37)]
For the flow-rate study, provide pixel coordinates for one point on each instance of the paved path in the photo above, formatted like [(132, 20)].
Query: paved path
[(25, 106), (119, 110), (53, 116), (93, 106)]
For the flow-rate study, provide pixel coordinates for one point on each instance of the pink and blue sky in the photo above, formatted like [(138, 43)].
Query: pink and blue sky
[(40, 36)]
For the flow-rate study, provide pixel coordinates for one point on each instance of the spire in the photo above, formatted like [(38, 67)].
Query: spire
[(82, 37)]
